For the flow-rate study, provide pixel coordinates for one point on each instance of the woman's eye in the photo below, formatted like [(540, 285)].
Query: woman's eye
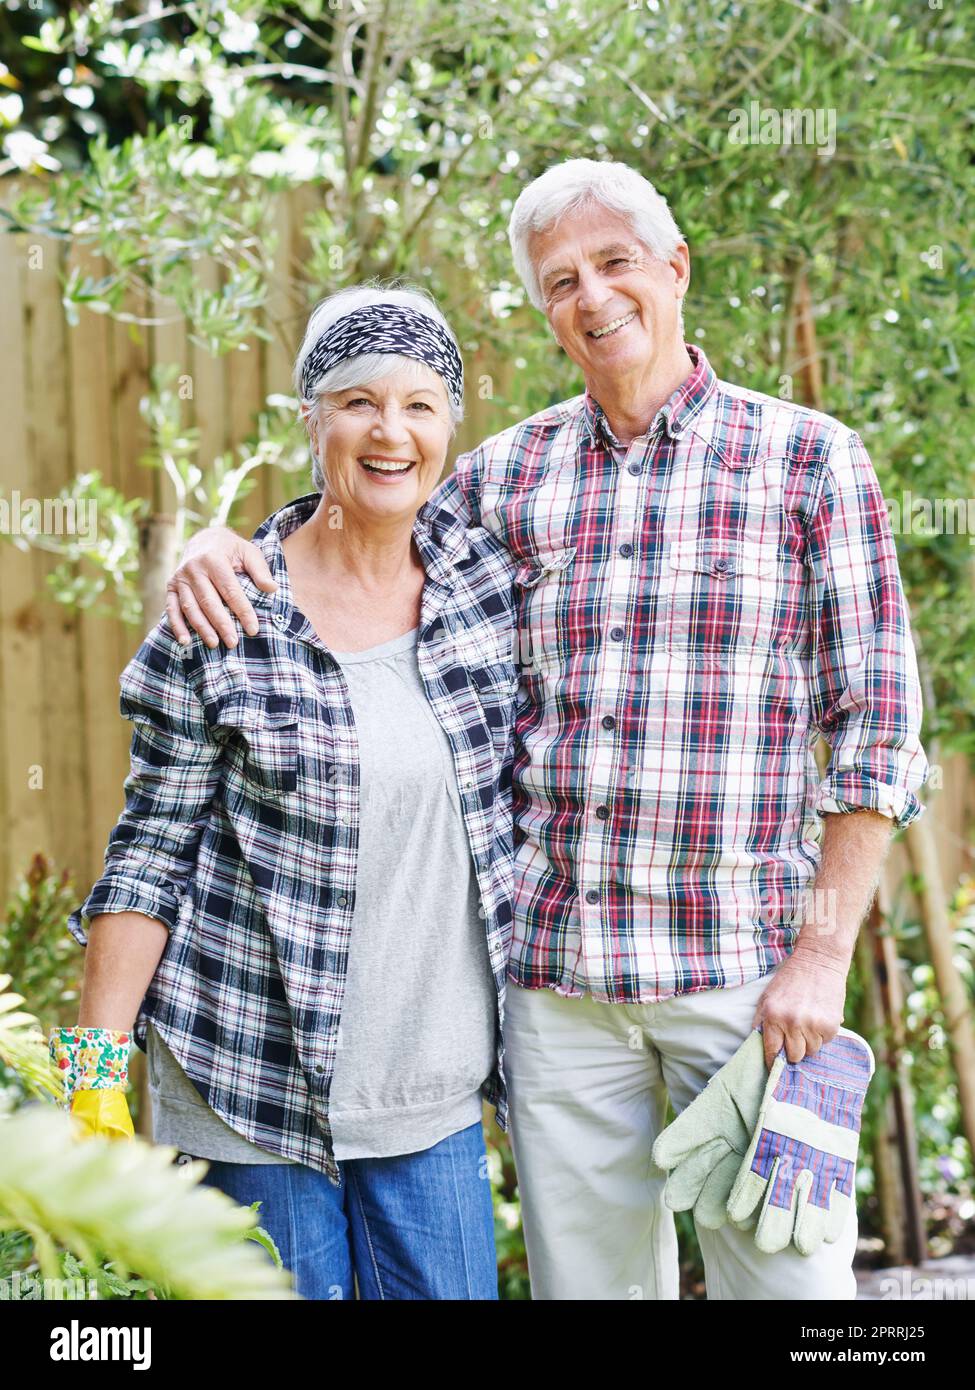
[(618, 260), (422, 404), (359, 400)]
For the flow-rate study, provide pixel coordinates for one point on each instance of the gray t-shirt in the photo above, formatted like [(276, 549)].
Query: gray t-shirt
[(418, 1022)]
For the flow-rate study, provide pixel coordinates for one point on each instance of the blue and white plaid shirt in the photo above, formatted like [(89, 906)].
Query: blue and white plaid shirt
[(241, 824)]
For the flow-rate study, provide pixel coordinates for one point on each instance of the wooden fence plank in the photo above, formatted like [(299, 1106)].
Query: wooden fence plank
[(24, 823), (129, 358), (106, 734), (278, 353), (245, 400), (209, 395), (50, 448)]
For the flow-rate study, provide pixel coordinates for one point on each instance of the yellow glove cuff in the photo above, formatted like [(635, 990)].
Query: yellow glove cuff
[(103, 1112)]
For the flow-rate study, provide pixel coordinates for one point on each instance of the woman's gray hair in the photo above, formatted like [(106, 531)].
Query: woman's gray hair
[(361, 371), (571, 185)]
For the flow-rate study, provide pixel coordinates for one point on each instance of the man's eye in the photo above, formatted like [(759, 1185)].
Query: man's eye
[(619, 260)]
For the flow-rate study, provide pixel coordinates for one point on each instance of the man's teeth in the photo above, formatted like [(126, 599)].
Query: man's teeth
[(387, 465), (611, 327)]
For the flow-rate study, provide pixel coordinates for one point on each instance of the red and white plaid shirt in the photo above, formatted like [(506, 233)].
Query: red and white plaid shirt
[(694, 609)]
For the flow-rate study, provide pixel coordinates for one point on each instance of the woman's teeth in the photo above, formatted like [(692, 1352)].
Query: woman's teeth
[(387, 465), (611, 327)]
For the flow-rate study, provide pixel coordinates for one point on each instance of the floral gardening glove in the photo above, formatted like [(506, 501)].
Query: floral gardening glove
[(94, 1067), (801, 1162), (703, 1148)]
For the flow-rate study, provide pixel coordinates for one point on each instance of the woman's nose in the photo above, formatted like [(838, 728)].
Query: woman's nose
[(390, 424)]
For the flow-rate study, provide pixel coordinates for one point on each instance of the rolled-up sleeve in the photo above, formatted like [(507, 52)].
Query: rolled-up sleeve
[(866, 694), (175, 769)]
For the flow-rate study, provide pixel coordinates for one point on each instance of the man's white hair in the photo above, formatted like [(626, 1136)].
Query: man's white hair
[(576, 184), (370, 366)]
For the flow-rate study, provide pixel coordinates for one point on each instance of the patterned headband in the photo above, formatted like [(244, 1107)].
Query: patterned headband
[(386, 328)]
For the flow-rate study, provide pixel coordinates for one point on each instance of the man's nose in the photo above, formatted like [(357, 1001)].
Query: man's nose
[(593, 291)]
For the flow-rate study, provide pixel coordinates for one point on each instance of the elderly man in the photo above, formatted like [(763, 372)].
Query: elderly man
[(706, 582)]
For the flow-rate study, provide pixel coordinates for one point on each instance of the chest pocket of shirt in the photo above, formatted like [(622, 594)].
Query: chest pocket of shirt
[(721, 595), (541, 581), (262, 739)]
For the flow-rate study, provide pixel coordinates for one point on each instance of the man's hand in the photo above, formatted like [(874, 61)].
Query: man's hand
[(204, 589), (803, 1006)]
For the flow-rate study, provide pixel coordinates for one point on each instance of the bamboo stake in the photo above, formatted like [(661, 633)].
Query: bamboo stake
[(886, 1160), (902, 1095), (923, 852)]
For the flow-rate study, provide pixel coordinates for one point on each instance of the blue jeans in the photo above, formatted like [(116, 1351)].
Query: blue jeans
[(416, 1226)]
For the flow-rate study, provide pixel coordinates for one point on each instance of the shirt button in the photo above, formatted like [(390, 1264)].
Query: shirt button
[(626, 550), (633, 468), (319, 1067), (617, 634), (592, 896), (342, 901), (279, 619), (602, 813), (609, 721)]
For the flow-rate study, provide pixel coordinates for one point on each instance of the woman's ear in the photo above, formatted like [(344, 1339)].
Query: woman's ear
[(311, 417)]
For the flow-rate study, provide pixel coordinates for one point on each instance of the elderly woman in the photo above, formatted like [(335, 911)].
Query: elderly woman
[(306, 903)]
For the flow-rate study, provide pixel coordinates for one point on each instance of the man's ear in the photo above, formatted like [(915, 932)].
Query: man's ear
[(680, 263)]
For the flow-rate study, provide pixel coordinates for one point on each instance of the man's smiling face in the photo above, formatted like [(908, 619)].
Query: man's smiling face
[(612, 307)]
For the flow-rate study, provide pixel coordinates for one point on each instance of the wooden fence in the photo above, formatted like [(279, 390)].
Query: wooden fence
[(69, 403)]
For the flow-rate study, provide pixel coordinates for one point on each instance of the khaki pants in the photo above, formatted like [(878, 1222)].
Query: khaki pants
[(588, 1085)]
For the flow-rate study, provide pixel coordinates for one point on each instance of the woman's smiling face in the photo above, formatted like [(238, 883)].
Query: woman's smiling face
[(383, 446)]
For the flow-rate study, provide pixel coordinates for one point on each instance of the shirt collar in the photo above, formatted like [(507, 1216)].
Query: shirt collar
[(675, 415), (440, 538)]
